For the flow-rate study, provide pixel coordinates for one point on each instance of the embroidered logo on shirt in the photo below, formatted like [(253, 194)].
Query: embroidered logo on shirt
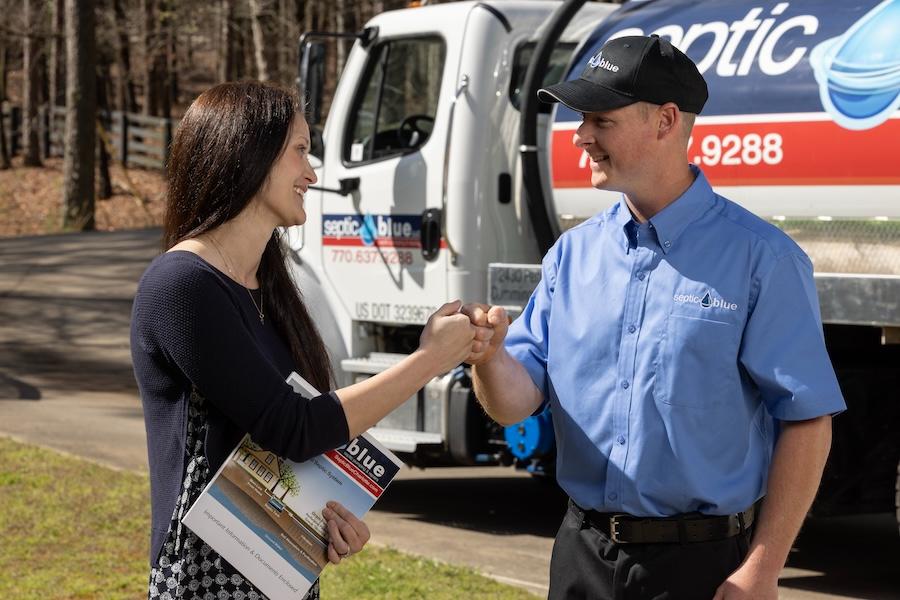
[(708, 300)]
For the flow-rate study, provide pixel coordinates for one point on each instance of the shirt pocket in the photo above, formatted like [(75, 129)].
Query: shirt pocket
[(696, 363)]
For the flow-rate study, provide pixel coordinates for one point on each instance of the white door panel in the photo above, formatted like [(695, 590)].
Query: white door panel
[(371, 239)]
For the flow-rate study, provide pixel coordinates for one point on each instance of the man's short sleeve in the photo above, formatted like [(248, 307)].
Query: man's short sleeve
[(783, 348), (527, 338)]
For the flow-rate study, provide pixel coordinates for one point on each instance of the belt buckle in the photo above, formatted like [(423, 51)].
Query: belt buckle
[(614, 528)]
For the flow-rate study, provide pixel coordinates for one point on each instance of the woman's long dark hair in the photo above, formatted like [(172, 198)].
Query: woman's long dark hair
[(221, 155)]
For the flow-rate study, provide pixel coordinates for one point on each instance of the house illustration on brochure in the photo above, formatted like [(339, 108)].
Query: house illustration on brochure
[(267, 469)]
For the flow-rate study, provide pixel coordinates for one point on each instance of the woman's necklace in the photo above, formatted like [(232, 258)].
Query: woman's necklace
[(258, 307)]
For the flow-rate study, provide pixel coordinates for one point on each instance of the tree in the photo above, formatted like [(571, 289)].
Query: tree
[(56, 95), (104, 190), (4, 151), (339, 25), (157, 87), (170, 24), (288, 480), (126, 99), (31, 86), (226, 40), (256, 25), (81, 115)]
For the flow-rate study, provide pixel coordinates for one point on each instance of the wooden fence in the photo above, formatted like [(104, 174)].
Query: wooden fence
[(133, 140)]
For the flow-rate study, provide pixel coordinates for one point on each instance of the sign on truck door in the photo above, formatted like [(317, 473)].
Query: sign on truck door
[(392, 141)]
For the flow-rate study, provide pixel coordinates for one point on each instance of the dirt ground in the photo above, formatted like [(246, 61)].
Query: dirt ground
[(31, 199)]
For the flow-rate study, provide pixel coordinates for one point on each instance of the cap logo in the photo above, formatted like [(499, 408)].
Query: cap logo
[(599, 61)]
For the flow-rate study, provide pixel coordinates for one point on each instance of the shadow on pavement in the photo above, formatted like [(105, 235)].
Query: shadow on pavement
[(855, 557), (66, 343), (15, 389), (500, 506), (66, 311)]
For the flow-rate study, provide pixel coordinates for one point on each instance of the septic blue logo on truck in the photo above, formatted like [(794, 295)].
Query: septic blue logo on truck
[(859, 72), (372, 230)]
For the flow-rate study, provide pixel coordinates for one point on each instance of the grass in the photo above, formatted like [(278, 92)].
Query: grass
[(386, 573), (72, 529)]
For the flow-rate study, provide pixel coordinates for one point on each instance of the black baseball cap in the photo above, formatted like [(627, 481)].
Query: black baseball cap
[(630, 69)]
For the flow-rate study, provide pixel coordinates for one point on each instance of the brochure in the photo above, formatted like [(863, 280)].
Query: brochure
[(263, 513)]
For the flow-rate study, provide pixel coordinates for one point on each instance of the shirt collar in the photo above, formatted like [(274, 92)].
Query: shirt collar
[(621, 216), (671, 221)]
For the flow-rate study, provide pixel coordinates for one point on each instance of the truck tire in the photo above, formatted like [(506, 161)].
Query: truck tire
[(465, 422)]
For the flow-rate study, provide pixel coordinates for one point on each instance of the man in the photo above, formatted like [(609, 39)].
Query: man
[(678, 340)]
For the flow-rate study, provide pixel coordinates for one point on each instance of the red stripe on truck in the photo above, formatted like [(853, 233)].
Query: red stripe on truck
[(768, 153)]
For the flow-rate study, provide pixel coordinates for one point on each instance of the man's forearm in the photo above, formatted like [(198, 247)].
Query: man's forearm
[(794, 477), (505, 389)]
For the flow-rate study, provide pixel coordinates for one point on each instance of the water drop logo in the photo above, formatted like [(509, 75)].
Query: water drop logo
[(706, 302), (368, 231), (859, 72), (599, 61)]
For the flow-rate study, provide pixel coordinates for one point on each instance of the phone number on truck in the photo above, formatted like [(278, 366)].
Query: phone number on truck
[(367, 256)]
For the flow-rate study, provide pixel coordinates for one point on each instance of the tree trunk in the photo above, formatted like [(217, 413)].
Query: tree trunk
[(308, 16), (104, 122), (81, 116), (31, 87), (339, 25), (189, 49), (4, 151), (227, 32), (171, 75), (246, 63), (126, 99), (149, 22), (56, 95), (262, 68), (284, 44), (156, 92)]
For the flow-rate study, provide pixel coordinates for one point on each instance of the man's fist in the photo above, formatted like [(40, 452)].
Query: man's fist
[(493, 324)]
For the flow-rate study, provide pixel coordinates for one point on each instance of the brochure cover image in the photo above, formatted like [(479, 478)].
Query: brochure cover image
[(263, 514)]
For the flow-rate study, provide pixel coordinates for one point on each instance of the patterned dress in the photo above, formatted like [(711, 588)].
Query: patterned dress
[(188, 568)]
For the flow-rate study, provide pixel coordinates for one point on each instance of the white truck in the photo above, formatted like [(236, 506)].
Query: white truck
[(441, 176)]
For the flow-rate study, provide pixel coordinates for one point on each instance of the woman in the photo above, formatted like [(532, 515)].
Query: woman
[(217, 327)]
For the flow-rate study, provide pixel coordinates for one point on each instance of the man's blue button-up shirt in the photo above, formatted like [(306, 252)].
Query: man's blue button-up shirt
[(666, 350)]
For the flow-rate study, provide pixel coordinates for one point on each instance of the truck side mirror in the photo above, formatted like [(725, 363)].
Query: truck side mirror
[(311, 79)]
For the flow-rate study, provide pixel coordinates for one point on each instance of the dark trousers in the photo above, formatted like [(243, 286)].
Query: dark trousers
[(587, 565)]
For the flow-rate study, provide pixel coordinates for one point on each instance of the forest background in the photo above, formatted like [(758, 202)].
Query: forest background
[(72, 70)]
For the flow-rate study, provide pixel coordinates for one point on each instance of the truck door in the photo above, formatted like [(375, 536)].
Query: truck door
[(381, 243)]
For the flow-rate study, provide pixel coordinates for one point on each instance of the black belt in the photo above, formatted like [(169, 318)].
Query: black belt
[(693, 527)]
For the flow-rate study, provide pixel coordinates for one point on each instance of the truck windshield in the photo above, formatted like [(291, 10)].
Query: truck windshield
[(556, 70)]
